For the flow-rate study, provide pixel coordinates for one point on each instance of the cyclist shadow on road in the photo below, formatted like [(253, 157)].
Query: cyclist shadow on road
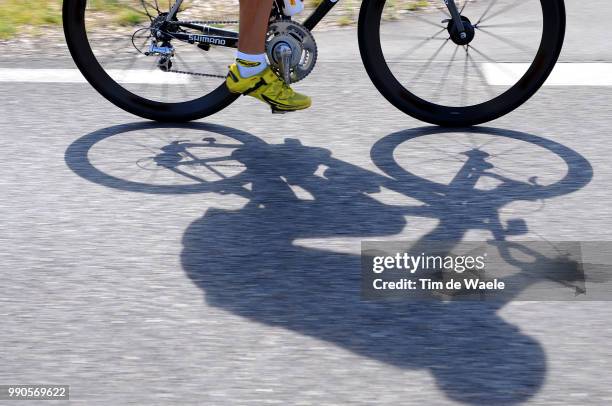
[(247, 261)]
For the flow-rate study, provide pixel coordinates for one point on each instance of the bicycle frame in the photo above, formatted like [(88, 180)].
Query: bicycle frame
[(227, 38)]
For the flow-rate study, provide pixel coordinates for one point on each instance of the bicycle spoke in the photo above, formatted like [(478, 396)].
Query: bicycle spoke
[(134, 57), (448, 154), (506, 41), (424, 38), (482, 54), (163, 138), (213, 170), (200, 161), (484, 14), (504, 158), (135, 10), (151, 149), (165, 91), (427, 60), (472, 141), (514, 24), (480, 74), (464, 93), (144, 5), (506, 171), (486, 143), (489, 59), (124, 48), (202, 84), (151, 177), (155, 7), (425, 20), (445, 75), (420, 44), (182, 174), (146, 86), (463, 144), (215, 63), (503, 10), (451, 158), (186, 95), (421, 71), (184, 62), (131, 173), (499, 154), (443, 11)]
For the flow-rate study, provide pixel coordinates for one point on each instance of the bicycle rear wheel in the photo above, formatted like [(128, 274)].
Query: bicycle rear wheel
[(417, 60), (109, 41)]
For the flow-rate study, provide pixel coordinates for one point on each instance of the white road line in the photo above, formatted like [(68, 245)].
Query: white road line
[(497, 74), (74, 76), (564, 74)]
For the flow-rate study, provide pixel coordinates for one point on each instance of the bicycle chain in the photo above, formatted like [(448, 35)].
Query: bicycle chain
[(210, 22), (208, 75)]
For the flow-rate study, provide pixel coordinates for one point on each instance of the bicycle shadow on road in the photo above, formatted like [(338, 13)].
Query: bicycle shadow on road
[(246, 261)]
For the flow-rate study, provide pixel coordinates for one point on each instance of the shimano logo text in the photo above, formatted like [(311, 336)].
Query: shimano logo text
[(207, 40)]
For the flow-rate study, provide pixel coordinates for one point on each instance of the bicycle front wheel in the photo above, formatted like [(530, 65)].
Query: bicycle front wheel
[(418, 60), (131, 54)]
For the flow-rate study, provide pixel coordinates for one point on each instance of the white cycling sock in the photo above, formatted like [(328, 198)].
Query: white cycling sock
[(250, 65)]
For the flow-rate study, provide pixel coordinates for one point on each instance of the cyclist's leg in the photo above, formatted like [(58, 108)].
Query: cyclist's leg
[(254, 15), (250, 74)]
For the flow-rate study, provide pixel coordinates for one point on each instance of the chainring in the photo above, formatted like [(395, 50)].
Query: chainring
[(302, 44)]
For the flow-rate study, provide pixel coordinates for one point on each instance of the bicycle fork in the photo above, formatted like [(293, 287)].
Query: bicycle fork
[(454, 12)]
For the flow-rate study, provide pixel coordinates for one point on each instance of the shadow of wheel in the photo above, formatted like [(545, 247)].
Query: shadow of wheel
[(579, 170), (77, 158)]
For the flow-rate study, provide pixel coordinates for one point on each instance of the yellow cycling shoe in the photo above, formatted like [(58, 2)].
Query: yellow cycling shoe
[(269, 88)]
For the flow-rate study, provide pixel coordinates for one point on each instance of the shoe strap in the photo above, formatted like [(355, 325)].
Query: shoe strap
[(256, 86)]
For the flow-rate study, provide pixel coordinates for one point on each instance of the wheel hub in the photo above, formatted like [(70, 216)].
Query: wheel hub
[(465, 37), (162, 29)]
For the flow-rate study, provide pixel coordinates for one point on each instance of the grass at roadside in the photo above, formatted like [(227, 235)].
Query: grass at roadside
[(27, 15), (346, 13), (121, 14), (18, 14)]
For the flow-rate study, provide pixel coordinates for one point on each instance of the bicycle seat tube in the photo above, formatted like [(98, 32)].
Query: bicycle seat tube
[(175, 10)]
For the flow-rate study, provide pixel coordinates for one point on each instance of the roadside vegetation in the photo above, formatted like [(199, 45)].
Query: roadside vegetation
[(30, 16), (16, 15), (346, 13)]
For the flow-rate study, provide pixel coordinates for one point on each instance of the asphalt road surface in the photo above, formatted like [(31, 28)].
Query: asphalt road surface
[(236, 281)]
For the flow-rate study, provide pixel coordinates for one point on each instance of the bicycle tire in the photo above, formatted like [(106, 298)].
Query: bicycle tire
[(553, 33), (73, 15)]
